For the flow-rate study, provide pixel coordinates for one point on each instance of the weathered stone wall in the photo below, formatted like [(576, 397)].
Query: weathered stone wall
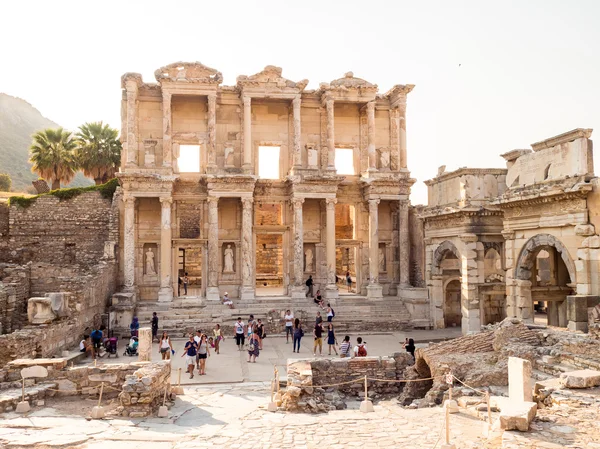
[(14, 292), (144, 390), (60, 232), (417, 247), (310, 382)]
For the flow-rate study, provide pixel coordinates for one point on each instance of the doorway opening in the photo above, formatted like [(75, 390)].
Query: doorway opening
[(269, 265), (346, 249), (549, 289), (452, 307), (189, 261)]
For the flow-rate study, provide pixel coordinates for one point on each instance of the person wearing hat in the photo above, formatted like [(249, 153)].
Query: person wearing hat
[(227, 301)]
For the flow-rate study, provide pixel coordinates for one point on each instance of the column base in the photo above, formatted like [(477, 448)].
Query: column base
[(331, 293), (165, 294), (298, 292), (212, 169), (247, 293), (213, 294), (374, 291), (247, 169)]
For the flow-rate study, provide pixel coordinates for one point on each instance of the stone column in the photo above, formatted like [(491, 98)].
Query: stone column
[(132, 123), (129, 244), (298, 290), (404, 244), (374, 290), (212, 292), (296, 103), (166, 289), (331, 290), (330, 135), (248, 290), (144, 344), (247, 133), (402, 133), (212, 133), (167, 143), (471, 313), (372, 152)]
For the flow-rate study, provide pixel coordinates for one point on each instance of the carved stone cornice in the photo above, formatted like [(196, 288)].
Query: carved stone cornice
[(539, 196), (466, 171), (349, 88), (131, 77), (188, 72), (228, 185), (269, 84), (146, 184), (578, 133)]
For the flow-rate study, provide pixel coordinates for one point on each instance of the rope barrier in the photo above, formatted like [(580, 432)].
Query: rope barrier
[(468, 386)]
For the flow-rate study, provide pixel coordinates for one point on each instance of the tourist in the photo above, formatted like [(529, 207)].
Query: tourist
[(330, 313), (348, 280), (260, 331), (309, 284), (134, 327), (298, 334), (318, 300), (318, 318), (189, 352), (227, 301), (165, 348), (238, 333), (253, 345), (289, 325), (96, 337), (197, 340), (179, 282), (250, 325), (154, 322), (186, 281), (409, 345), (217, 337), (318, 334), (331, 340), (86, 346), (203, 353), (360, 350), (346, 347)]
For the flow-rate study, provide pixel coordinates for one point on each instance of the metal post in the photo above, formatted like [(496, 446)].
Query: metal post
[(179, 380), (23, 390), (101, 390), (447, 425), (366, 395)]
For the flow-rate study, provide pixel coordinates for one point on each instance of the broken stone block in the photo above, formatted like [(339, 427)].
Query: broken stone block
[(586, 378), (519, 379), (516, 416)]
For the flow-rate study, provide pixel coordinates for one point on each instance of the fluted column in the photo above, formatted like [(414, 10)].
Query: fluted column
[(374, 290), (212, 292), (132, 123), (298, 288), (248, 290), (129, 243), (330, 134), (212, 133), (331, 291), (402, 133), (371, 135), (247, 133), (296, 103), (404, 244), (167, 142), (166, 289)]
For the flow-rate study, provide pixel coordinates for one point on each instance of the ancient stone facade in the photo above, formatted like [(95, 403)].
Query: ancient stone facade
[(504, 242), (231, 227)]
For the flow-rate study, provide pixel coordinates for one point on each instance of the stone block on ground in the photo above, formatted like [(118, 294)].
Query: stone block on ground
[(519, 379), (586, 378), (513, 415)]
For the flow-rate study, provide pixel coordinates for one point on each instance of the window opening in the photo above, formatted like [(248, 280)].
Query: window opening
[(189, 159), (268, 162), (344, 161)]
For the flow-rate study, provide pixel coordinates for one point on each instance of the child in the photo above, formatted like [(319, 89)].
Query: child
[(211, 342)]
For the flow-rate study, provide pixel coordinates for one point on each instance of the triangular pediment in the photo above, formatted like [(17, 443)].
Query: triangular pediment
[(270, 77), (191, 72)]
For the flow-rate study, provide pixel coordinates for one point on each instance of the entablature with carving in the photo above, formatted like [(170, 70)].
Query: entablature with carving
[(146, 184), (575, 188), (188, 72), (348, 89), (231, 186), (269, 84)]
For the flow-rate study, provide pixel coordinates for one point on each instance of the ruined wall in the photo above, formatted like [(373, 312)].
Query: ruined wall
[(14, 292), (61, 232), (417, 247)]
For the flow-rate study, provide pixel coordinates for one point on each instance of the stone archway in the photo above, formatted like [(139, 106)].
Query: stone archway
[(544, 275), (440, 253), (445, 287)]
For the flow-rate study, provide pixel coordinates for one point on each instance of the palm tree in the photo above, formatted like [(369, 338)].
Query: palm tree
[(52, 155), (98, 151)]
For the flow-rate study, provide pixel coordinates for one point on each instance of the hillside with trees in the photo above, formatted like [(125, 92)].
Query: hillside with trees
[(18, 122)]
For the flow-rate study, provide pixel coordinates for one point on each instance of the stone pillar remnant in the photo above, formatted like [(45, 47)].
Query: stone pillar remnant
[(166, 289), (404, 244), (331, 290), (374, 289), (129, 243), (330, 134), (212, 133), (296, 103), (247, 259), (145, 344), (212, 292), (132, 123), (247, 133), (519, 380), (298, 289)]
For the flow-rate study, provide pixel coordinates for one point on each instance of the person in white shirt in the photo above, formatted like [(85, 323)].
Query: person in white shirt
[(227, 301), (238, 333), (360, 350), (289, 325), (197, 339), (346, 347)]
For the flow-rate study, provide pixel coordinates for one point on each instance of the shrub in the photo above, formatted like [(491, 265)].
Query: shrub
[(5, 182)]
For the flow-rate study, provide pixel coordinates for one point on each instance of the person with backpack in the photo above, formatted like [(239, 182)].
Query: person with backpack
[(96, 337), (346, 347), (331, 340), (360, 350), (298, 334), (309, 284), (238, 333), (330, 313)]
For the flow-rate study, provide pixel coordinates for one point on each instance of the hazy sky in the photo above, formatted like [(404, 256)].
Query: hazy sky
[(490, 76)]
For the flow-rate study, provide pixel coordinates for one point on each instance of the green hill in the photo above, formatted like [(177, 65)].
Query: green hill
[(18, 121)]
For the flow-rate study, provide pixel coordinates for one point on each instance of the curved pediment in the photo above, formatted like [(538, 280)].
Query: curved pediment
[(270, 78), (350, 81), (190, 72)]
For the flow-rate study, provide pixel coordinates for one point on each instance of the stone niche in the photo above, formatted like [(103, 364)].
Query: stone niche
[(310, 258), (150, 258), (229, 260), (44, 310)]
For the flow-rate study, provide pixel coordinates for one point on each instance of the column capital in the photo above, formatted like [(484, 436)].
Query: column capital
[(297, 101), (374, 202), (247, 100), (403, 205), (165, 200), (297, 202), (371, 107), (247, 202), (166, 95), (212, 97), (129, 200), (331, 202), (329, 102), (212, 200)]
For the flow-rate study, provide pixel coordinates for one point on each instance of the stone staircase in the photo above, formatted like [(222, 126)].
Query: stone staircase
[(352, 314)]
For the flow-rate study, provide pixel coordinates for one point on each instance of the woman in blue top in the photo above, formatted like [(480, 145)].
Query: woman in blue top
[(189, 351), (298, 334), (134, 326)]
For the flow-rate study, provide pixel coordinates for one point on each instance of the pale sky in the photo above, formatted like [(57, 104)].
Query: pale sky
[(490, 76)]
